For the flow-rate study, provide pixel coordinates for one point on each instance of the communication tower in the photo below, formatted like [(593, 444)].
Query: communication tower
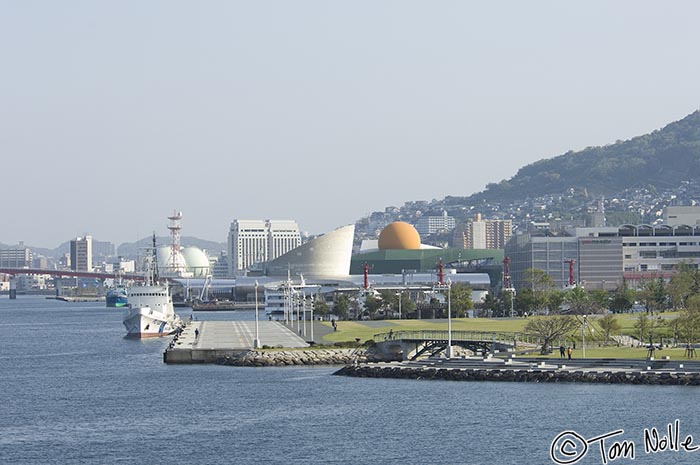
[(174, 264)]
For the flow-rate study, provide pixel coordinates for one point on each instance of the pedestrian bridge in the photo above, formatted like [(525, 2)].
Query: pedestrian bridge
[(415, 344)]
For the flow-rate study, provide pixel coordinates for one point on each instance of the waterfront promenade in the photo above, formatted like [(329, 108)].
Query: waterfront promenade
[(207, 341)]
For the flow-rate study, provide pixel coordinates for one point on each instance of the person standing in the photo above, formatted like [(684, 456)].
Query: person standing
[(562, 351), (569, 352)]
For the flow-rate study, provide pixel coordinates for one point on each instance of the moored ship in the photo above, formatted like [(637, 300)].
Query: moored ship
[(151, 311), (116, 297)]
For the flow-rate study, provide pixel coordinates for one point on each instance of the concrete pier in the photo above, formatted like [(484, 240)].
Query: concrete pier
[(209, 341)]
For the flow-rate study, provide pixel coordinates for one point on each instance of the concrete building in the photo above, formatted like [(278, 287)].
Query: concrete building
[(254, 242), (677, 216), (606, 256), (81, 253), (482, 234), (17, 257), (428, 225)]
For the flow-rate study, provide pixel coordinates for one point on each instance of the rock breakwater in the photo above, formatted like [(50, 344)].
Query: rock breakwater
[(514, 375), (268, 358)]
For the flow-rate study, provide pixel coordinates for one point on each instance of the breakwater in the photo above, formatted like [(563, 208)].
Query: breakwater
[(631, 373), (278, 358)]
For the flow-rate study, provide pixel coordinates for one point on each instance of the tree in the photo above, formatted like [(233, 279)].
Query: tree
[(608, 324), (647, 327), (581, 302), (684, 284), (320, 306), (654, 295), (461, 299), (622, 299), (342, 306), (689, 320), (525, 301), (555, 301), (541, 285), (489, 305), (372, 305), (550, 328)]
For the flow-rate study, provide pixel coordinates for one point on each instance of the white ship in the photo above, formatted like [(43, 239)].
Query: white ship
[(151, 311)]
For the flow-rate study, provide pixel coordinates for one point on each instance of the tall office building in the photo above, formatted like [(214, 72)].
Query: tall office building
[(19, 257), (483, 234), (253, 242), (81, 253)]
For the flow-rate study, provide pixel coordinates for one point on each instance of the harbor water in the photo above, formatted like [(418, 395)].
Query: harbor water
[(73, 390)]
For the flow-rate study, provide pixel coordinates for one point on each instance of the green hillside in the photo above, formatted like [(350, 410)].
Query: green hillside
[(661, 159)]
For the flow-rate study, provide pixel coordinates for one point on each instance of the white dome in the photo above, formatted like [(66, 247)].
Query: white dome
[(167, 265), (197, 261)]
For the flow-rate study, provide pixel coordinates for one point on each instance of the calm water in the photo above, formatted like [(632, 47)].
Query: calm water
[(73, 390)]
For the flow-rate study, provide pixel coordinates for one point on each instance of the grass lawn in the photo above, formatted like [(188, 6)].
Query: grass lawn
[(349, 330), (365, 330)]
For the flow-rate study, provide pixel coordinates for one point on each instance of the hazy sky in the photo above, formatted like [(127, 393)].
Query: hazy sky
[(114, 113)]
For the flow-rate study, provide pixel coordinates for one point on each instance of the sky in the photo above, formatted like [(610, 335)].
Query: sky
[(115, 113)]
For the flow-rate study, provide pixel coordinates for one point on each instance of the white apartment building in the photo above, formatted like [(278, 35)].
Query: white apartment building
[(258, 241), (428, 225)]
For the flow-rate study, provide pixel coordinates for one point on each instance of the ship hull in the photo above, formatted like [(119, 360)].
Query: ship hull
[(144, 322)]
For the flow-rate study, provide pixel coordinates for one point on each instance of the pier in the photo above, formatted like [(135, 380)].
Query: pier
[(209, 341)]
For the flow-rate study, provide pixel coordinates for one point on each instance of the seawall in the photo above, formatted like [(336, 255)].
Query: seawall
[(403, 371), (268, 358)]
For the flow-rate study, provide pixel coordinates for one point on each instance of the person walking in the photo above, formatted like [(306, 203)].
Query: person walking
[(569, 352), (562, 351)]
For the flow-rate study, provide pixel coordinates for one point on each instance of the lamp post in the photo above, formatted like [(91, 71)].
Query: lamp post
[(449, 318), (256, 342), (583, 334), (303, 310), (312, 317)]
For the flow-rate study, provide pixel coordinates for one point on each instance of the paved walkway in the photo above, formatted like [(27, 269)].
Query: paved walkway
[(231, 335)]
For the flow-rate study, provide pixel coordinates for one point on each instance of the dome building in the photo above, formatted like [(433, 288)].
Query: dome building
[(190, 262)]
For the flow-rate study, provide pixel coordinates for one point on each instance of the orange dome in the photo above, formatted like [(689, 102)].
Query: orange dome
[(399, 235)]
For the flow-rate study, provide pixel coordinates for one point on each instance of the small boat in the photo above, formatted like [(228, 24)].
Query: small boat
[(151, 311), (116, 297)]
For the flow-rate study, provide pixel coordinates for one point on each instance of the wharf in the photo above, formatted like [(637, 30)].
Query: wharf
[(209, 341)]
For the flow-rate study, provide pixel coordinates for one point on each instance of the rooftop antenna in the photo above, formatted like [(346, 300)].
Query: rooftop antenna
[(154, 262)]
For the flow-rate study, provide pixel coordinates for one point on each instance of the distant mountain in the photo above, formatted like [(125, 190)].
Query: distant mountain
[(133, 249), (662, 159)]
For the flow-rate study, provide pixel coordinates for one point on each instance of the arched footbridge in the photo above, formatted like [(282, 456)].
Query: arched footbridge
[(415, 344)]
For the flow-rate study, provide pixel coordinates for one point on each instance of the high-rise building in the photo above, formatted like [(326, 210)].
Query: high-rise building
[(483, 234), (16, 257), (253, 242), (81, 253)]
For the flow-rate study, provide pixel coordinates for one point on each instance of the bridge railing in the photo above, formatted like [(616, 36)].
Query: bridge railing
[(503, 337)]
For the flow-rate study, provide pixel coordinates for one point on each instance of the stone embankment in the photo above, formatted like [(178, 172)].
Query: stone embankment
[(531, 376), (278, 358)]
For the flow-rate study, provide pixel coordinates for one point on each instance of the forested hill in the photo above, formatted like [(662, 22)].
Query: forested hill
[(662, 159)]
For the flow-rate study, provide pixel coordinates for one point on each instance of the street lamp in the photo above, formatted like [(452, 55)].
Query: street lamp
[(256, 342), (303, 310), (312, 317), (583, 334), (449, 318)]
